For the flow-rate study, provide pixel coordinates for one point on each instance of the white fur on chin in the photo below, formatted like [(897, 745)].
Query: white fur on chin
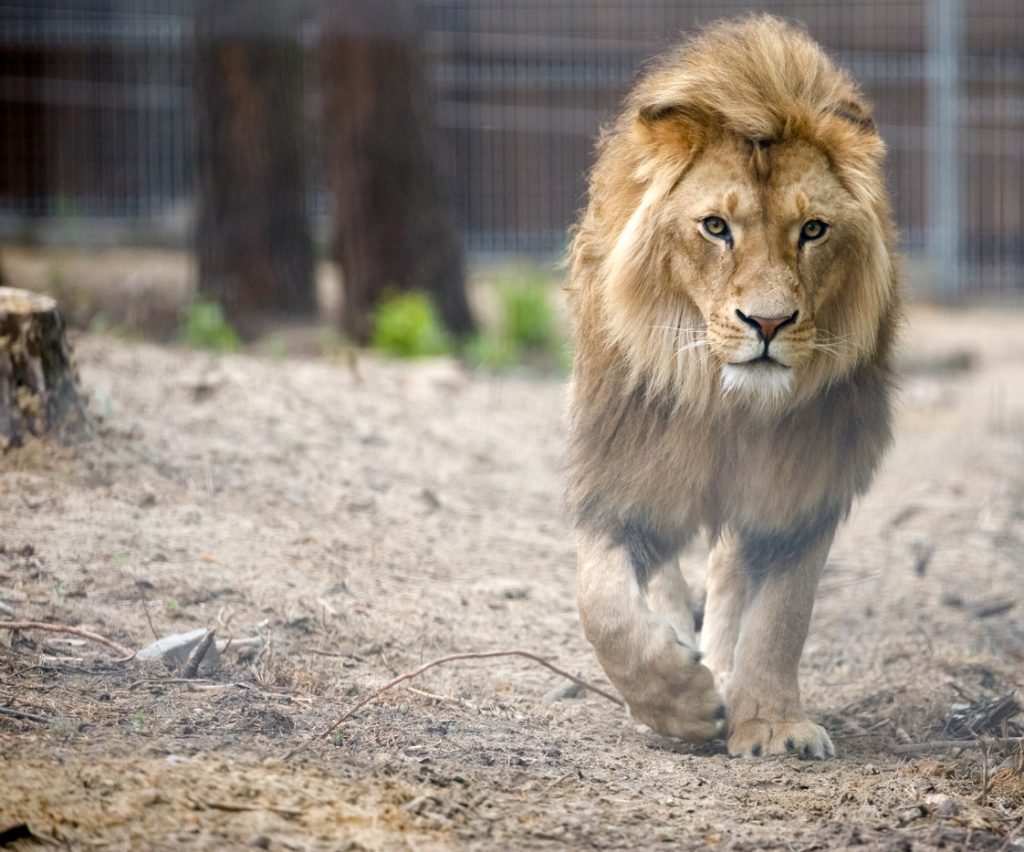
[(764, 381)]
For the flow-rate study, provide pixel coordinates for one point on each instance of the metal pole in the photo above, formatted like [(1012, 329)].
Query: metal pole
[(943, 194)]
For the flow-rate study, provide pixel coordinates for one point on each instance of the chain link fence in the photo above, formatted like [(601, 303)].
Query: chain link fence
[(96, 116)]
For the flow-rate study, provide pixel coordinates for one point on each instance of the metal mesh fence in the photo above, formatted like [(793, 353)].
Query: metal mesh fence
[(96, 114), (95, 109)]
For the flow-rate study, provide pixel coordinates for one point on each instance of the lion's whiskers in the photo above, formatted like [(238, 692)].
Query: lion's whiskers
[(836, 345), (688, 338), (680, 329)]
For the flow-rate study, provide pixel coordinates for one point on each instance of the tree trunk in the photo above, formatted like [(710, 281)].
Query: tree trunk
[(253, 240), (38, 393), (393, 227)]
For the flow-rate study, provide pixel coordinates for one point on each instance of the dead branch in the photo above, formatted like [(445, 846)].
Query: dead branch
[(21, 714), (162, 681), (74, 631), (945, 745), (480, 655), (145, 609)]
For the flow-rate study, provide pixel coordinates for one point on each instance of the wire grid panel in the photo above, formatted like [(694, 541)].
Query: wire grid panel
[(96, 112), (522, 87), (95, 115)]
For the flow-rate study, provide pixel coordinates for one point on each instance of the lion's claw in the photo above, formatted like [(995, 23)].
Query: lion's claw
[(759, 737)]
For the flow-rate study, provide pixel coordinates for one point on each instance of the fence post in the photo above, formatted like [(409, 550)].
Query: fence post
[(944, 215)]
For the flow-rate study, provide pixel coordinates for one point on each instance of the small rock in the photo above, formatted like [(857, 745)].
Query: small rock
[(174, 649), (941, 805), (507, 588), (562, 693), (260, 841)]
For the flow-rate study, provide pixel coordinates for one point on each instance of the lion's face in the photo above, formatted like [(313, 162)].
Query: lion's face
[(759, 255), (738, 241), (749, 272)]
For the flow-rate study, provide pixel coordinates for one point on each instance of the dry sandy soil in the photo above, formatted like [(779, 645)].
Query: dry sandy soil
[(341, 525)]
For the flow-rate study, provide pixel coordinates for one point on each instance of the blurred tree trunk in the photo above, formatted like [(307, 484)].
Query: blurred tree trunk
[(393, 223), (253, 240)]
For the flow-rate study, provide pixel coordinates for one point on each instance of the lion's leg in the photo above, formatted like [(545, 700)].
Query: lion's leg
[(727, 588), (763, 694), (669, 596), (660, 678)]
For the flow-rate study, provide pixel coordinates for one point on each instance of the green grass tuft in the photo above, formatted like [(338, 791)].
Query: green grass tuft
[(526, 330), (206, 327), (407, 326), (528, 320)]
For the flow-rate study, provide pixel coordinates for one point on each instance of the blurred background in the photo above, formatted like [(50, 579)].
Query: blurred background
[(242, 164)]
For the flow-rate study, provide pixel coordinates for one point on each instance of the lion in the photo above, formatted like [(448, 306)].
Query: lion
[(735, 297)]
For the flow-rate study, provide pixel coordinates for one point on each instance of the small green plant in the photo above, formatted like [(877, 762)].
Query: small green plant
[(206, 327), (407, 326), (174, 609), (62, 728), (492, 352), (528, 319), (338, 738), (138, 722), (526, 329)]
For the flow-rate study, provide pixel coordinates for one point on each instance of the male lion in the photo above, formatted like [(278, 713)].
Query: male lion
[(734, 295)]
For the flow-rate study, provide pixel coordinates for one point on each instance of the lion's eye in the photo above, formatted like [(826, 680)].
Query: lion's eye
[(716, 227), (812, 230)]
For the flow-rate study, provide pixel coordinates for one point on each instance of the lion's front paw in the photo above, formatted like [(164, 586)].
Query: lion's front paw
[(759, 737), (675, 695)]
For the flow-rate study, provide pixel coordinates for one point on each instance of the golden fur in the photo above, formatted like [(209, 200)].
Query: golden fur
[(674, 426)]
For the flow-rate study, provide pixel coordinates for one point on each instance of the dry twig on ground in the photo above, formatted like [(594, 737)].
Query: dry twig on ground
[(477, 655), (21, 714), (74, 631), (945, 745), (480, 655)]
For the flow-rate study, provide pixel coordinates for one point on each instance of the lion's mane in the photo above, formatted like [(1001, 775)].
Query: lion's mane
[(641, 399)]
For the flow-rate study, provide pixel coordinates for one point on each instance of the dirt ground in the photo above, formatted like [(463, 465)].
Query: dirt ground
[(343, 523)]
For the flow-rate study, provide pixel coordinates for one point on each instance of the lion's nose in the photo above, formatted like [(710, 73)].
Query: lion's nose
[(767, 327)]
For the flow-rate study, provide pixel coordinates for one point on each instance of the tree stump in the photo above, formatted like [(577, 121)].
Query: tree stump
[(38, 385)]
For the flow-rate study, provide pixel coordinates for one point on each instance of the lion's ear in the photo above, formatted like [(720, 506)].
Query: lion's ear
[(668, 110), (854, 112), (675, 128)]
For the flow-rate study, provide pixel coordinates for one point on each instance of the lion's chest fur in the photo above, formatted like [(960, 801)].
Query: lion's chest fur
[(680, 468)]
